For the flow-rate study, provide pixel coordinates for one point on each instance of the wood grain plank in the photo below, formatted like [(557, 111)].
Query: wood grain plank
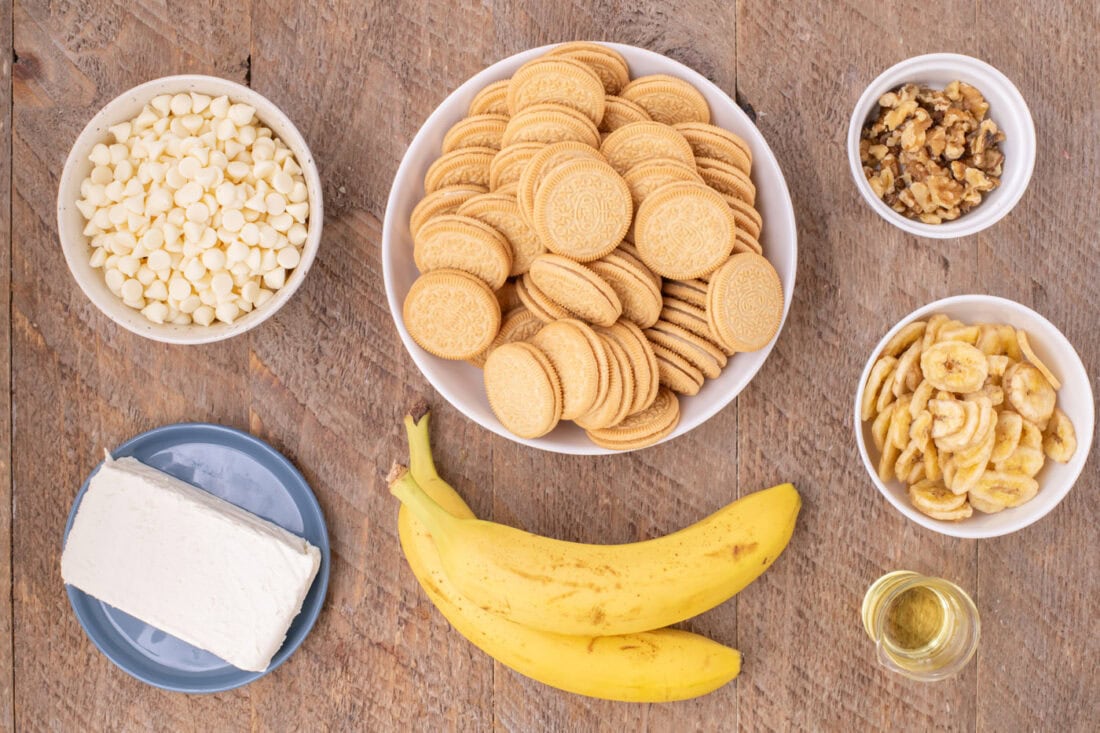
[(330, 380), (327, 381), (808, 662), (81, 383), (1036, 596), (637, 496), (7, 711)]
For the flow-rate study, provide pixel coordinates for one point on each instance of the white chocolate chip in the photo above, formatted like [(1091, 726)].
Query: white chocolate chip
[(289, 257), (214, 259), (155, 312), (203, 315), (241, 114), (275, 279), (227, 312), (180, 105), (178, 288)]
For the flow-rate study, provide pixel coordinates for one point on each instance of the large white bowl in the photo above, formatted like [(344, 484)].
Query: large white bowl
[(460, 383), (70, 222), (1074, 398), (1006, 107)]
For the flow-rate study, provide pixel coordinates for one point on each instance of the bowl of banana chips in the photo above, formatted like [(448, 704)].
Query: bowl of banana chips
[(974, 416)]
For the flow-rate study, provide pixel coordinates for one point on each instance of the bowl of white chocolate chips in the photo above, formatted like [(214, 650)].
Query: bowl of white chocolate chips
[(189, 209)]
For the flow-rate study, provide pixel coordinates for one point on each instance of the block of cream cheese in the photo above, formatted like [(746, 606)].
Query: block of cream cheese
[(188, 562)]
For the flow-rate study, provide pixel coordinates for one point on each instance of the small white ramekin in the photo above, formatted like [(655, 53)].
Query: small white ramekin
[(1006, 107), (70, 222), (1074, 398)]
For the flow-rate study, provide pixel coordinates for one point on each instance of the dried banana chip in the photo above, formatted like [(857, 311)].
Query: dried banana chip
[(920, 430), (1060, 439), (1029, 392), (886, 463), (882, 369), (932, 468), (1025, 347), (954, 366), (1008, 488), (1025, 460), (909, 459), (956, 331), (991, 392), (881, 426), (986, 506), (907, 365), (1006, 435), (919, 401), (935, 323), (964, 437), (899, 424), (998, 364), (933, 496), (904, 338)]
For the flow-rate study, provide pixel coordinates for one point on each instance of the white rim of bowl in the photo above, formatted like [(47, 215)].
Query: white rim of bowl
[(960, 529), (265, 108), (976, 220), (420, 357)]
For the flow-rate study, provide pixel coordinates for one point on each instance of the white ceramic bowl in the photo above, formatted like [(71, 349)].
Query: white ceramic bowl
[(1006, 107), (1074, 398), (70, 222), (460, 383)]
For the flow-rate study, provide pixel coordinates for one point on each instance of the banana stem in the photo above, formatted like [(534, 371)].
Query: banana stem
[(437, 519), (420, 448)]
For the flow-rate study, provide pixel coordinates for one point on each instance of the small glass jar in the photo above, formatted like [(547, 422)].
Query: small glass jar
[(923, 627)]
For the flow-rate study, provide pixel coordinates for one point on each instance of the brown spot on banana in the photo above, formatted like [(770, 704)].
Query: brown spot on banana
[(739, 550)]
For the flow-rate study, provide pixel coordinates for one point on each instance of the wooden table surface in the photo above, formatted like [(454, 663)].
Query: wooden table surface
[(326, 380)]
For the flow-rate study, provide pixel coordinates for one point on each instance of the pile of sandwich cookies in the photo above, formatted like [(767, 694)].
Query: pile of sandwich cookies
[(593, 243)]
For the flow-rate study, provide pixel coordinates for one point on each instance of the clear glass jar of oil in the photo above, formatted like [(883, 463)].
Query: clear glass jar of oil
[(924, 628)]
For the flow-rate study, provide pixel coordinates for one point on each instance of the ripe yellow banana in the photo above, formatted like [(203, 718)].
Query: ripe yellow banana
[(594, 590), (653, 666)]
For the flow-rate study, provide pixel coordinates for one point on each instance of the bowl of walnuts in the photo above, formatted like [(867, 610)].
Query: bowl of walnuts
[(941, 145), (974, 416)]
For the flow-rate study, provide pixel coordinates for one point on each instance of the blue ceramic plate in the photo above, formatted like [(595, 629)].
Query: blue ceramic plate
[(244, 471)]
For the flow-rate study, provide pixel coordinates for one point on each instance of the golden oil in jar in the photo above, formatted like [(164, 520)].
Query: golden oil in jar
[(923, 627)]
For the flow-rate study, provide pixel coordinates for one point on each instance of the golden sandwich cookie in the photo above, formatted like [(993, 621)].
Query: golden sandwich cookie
[(745, 302), (451, 314), (639, 296), (478, 131), (606, 63), (620, 112), (709, 141), (641, 141), (684, 230), (550, 123), (465, 166), (523, 389), (576, 363), (518, 324), (501, 212), (557, 80), (667, 99), (445, 200), (508, 164), (582, 209), (644, 428), (463, 243), (492, 100), (576, 288)]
